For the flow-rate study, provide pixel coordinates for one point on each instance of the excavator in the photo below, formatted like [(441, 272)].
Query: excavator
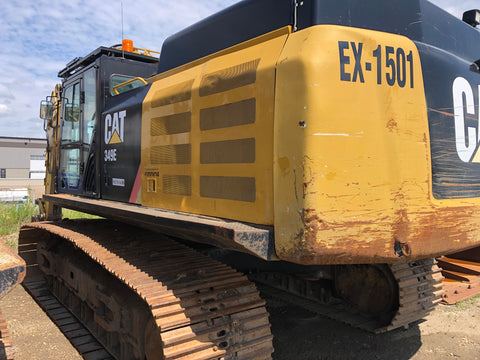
[(325, 152)]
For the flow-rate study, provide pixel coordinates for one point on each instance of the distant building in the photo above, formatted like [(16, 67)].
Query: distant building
[(22, 158)]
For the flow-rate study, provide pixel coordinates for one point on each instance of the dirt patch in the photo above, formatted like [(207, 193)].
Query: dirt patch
[(450, 332), (34, 335)]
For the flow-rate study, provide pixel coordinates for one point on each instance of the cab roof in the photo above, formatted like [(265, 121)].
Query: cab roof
[(79, 63)]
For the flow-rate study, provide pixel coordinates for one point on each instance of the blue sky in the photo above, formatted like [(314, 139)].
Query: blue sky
[(39, 37)]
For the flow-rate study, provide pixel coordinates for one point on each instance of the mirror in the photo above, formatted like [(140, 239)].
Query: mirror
[(46, 110), (72, 112)]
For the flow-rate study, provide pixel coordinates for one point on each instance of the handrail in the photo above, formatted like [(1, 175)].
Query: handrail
[(128, 82), (141, 51)]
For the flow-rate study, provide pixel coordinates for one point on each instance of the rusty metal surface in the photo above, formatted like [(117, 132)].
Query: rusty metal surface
[(462, 277), (6, 350), (404, 239), (12, 269), (250, 238), (198, 308), (372, 288), (419, 290), (468, 255), (73, 330)]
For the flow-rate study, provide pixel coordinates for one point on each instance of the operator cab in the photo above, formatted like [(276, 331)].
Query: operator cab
[(91, 86)]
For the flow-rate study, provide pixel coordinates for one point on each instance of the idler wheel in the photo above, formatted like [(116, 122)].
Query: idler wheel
[(372, 289)]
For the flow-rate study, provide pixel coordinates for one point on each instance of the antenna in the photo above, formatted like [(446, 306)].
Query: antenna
[(123, 50)]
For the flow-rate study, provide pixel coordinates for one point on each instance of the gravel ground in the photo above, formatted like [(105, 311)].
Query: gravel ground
[(34, 335), (449, 332)]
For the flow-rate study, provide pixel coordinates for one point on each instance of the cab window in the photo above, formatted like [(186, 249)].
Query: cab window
[(71, 113), (120, 79), (90, 106)]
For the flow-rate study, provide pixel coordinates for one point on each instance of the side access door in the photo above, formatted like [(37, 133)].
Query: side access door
[(79, 117)]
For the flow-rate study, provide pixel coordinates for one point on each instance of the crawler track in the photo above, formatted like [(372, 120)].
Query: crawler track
[(194, 307), (79, 336), (144, 295), (419, 290)]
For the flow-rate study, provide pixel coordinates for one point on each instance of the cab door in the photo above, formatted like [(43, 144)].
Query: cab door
[(77, 131)]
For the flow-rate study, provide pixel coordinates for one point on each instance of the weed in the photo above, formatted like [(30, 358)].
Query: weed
[(12, 244), (72, 214), (464, 304), (14, 215)]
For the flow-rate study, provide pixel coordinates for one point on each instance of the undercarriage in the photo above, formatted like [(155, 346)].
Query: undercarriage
[(146, 296)]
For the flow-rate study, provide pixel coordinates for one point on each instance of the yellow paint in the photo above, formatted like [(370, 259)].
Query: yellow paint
[(115, 138), (47, 209), (172, 85), (476, 157), (359, 175), (342, 168)]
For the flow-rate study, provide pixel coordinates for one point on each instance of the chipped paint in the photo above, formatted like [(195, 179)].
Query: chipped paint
[(365, 193), (12, 269)]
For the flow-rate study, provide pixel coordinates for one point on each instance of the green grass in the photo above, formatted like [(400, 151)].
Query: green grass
[(72, 214), (13, 216), (467, 303)]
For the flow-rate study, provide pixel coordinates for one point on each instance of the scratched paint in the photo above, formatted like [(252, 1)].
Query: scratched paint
[(360, 175), (12, 269)]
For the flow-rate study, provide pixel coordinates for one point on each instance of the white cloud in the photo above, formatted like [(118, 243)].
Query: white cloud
[(6, 94), (4, 109), (39, 37)]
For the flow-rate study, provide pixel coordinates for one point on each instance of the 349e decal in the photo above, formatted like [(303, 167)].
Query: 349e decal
[(392, 65), (114, 133)]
